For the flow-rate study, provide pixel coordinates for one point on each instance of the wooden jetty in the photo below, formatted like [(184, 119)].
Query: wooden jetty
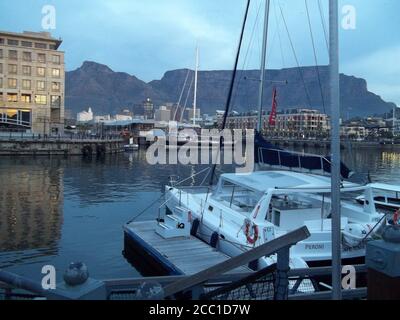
[(189, 255)]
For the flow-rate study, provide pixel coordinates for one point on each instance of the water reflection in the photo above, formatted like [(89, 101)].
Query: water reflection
[(56, 210), (31, 205)]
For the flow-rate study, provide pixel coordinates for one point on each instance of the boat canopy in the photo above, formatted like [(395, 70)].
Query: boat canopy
[(385, 187), (267, 153), (262, 181)]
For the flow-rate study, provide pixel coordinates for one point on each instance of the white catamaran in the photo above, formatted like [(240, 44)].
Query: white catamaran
[(245, 211)]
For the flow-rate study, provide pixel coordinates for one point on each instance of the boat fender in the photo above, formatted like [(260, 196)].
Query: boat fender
[(214, 239), (354, 234), (195, 227), (396, 217)]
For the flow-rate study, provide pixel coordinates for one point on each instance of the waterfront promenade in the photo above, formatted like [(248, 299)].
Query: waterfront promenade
[(66, 145)]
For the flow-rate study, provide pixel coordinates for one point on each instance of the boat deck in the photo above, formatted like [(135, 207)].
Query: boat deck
[(176, 256)]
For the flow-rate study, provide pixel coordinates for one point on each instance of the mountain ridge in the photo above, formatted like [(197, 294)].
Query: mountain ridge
[(107, 92)]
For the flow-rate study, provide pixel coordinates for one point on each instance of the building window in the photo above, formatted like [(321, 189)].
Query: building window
[(12, 83), (56, 73), (55, 86), (26, 70), (41, 72), (12, 42), (26, 98), (40, 45), (56, 59), (26, 84), (40, 99), (41, 85), (27, 44), (1, 53), (1, 68), (55, 101), (12, 69), (12, 97), (27, 56), (52, 47), (12, 54), (18, 117), (1, 41), (1, 85), (41, 57)]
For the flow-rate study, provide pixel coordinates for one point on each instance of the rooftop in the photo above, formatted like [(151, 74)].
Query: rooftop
[(262, 181), (40, 36)]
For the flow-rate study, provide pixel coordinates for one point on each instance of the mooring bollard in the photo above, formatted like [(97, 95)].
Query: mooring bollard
[(78, 285), (383, 263)]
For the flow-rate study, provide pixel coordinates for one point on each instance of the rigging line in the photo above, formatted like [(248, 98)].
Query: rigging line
[(246, 60), (187, 98), (278, 24), (323, 22), (295, 56), (180, 97), (228, 102), (315, 57), (145, 209)]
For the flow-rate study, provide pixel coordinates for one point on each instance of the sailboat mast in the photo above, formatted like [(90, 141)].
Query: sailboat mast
[(335, 147), (263, 64), (195, 86)]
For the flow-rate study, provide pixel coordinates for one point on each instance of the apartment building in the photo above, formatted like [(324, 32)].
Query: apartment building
[(32, 83), (289, 122)]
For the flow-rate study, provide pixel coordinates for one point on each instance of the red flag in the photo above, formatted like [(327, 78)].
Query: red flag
[(272, 117)]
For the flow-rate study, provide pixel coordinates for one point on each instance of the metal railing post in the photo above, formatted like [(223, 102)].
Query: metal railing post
[(282, 280)]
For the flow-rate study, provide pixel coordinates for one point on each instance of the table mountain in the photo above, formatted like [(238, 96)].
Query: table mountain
[(106, 91)]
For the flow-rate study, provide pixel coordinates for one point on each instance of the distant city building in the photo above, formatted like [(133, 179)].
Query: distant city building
[(394, 122), (289, 123), (148, 108), (303, 120), (122, 117), (163, 114), (32, 81), (191, 114), (85, 116), (353, 131), (99, 119)]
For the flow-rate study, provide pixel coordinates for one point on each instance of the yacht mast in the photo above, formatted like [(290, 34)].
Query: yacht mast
[(335, 142), (262, 68), (195, 86)]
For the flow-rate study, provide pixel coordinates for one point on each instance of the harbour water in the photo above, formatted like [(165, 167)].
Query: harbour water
[(57, 210)]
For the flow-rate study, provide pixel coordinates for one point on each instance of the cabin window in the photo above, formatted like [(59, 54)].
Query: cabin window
[(238, 197)]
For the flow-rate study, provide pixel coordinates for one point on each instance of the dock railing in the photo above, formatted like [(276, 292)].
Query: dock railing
[(279, 246)]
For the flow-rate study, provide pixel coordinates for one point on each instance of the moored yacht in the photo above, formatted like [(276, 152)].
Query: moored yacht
[(245, 211)]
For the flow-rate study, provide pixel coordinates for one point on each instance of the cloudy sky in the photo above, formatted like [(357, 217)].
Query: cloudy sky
[(147, 38)]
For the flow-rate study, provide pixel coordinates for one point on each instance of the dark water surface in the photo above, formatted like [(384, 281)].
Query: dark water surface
[(55, 210)]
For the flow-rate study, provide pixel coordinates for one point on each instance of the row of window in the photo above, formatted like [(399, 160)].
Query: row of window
[(28, 44), (28, 56), (27, 70), (55, 101), (27, 84)]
